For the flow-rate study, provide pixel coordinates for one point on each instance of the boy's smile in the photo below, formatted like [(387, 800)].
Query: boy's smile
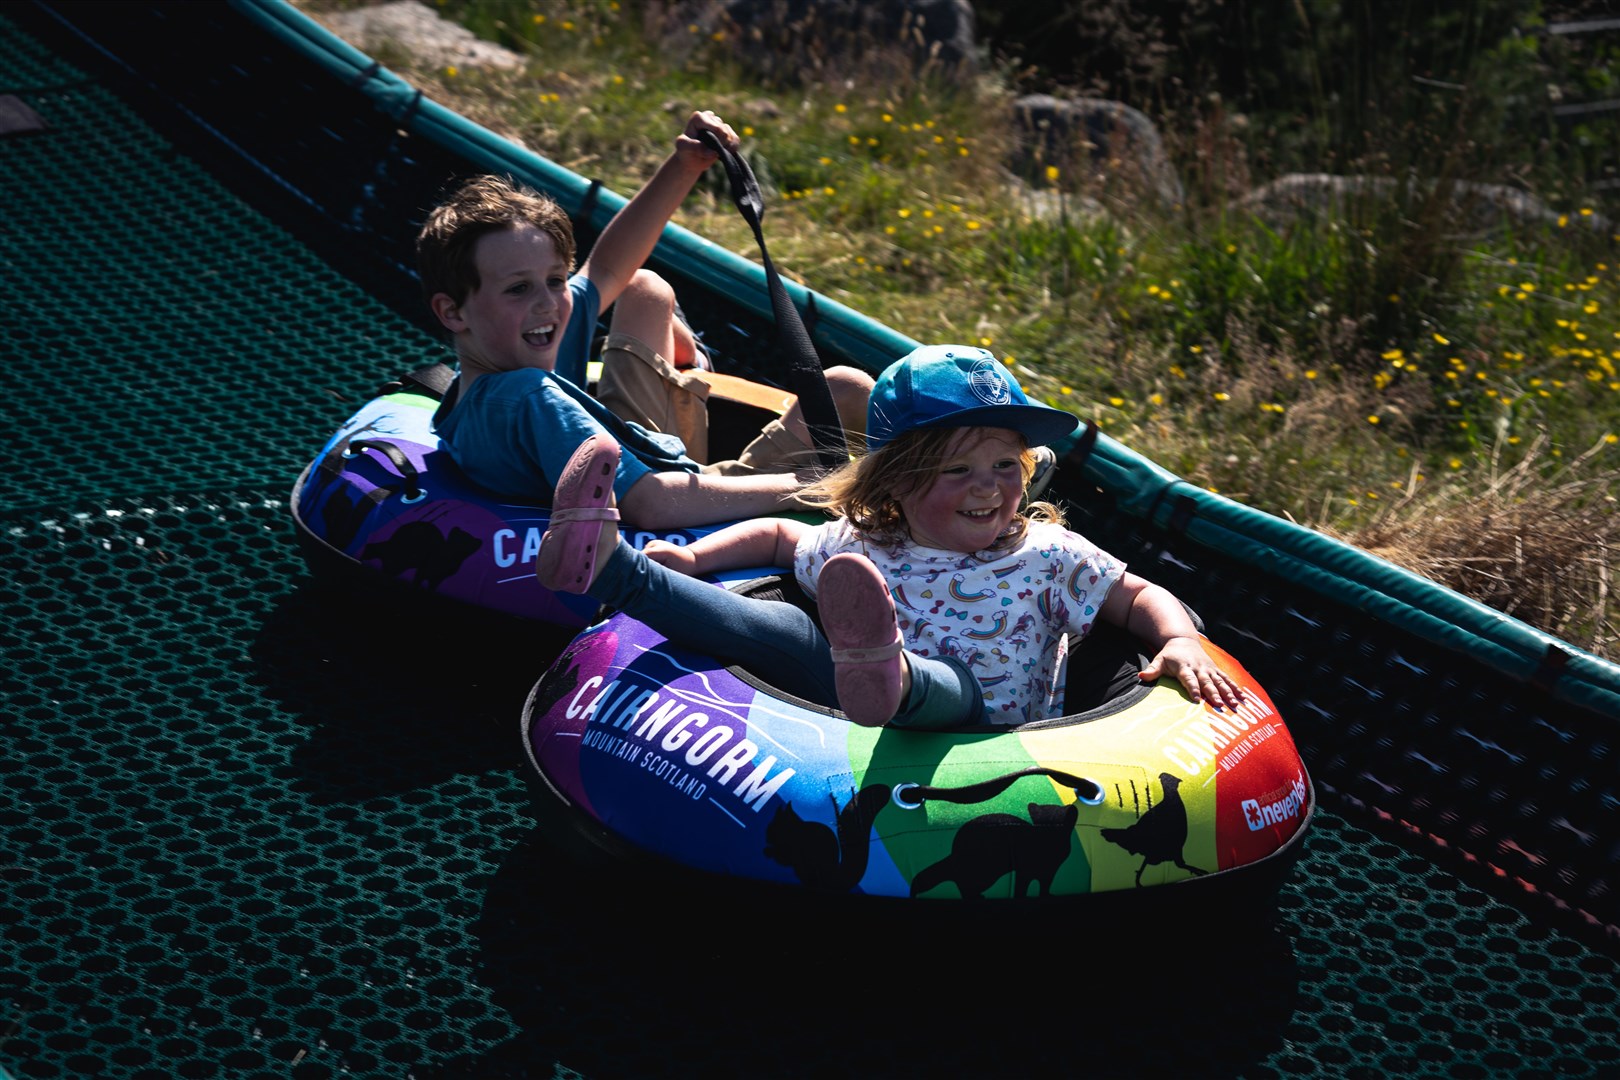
[(972, 499), (516, 316)]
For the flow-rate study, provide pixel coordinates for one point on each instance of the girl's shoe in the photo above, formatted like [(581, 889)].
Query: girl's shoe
[(584, 521), (857, 615)]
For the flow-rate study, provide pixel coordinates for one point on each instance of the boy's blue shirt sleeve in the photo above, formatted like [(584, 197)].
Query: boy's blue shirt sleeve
[(575, 349), (514, 431)]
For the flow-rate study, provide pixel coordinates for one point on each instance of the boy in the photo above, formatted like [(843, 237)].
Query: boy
[(495, 262)]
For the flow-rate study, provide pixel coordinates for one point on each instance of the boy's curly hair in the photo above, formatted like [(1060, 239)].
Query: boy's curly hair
[(868, 490), (482, 205)]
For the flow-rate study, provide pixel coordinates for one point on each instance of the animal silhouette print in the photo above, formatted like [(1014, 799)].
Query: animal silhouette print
[(342, 517), (560, 680), (1160, 834), (824, 859), (420, 547), (991, 846)]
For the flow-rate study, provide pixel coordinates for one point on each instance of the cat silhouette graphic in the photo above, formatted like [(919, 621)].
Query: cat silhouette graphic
[(822, 858), (420, 548), (1160, 834), (560, 680), (987, 848), (342, 517)]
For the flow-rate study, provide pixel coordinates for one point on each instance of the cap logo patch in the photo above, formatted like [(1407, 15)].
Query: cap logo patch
[(988, 384)]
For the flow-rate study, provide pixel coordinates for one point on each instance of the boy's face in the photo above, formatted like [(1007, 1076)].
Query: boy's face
[(972, 498), (516, 316)]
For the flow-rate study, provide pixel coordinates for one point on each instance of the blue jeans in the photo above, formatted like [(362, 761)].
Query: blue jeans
[(771, 636)]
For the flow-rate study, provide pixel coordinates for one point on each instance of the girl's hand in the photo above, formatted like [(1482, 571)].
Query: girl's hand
[(688, 145), (675, 556), (1184, 659)]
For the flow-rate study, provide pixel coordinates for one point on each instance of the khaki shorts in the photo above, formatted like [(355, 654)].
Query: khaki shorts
[(640, 385)]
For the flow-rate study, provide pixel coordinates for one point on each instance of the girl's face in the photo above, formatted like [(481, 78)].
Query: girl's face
[(972, 498), (516, 316)]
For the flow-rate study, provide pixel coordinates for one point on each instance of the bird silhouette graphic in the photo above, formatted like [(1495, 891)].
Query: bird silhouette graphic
[(1160, 834)]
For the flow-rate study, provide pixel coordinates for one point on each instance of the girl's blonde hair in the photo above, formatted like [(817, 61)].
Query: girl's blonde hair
[(868, 490)]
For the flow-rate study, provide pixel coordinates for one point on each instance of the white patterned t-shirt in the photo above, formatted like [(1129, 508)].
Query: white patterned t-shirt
[(1003, 614)]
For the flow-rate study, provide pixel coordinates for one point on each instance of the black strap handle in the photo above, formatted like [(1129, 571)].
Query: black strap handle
[(805, 374), (432, 380), (1087, 790), (407, 471)]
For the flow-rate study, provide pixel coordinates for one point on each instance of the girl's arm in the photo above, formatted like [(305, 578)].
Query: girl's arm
[(1151, 612), (760, 542)]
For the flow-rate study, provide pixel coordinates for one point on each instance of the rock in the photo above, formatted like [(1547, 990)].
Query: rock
[(418, 30), (784, 38), (1476, 208), (1059, 131)]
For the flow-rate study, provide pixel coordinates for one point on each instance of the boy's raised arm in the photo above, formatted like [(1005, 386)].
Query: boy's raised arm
[(634, 231)]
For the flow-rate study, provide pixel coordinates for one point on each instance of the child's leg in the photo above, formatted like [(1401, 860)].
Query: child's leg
[(640, 380), (786, 446), (775, 639), (861, 668), (780, 639), (877, 681), (582, 553)]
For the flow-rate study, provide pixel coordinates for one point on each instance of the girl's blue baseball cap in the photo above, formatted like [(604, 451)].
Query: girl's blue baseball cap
[(957, 386)]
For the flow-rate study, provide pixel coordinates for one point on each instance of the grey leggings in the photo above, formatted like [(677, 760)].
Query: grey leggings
[(771, 636)]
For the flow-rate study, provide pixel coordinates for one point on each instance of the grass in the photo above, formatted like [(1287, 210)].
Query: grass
[(1381, 367)]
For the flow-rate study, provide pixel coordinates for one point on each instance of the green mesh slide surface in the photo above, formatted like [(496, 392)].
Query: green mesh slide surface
[(255, 827)]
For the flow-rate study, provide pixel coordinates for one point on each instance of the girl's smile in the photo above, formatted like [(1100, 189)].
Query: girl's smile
[(972, 499)]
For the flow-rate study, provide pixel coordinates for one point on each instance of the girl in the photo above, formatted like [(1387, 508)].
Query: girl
[(941, 601)]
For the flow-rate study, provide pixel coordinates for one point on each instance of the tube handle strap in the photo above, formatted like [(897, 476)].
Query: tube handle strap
[(805, 373), (1088, 791), (407, 471)]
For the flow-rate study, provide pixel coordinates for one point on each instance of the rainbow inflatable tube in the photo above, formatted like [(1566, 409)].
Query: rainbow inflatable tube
[(383, 501), (650, 752)]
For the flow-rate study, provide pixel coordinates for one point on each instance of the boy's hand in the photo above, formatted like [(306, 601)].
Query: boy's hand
[(1184, 659), (689, 146), (675, 556)]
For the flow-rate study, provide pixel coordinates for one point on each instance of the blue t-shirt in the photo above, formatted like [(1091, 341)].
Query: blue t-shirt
[(575, 349), (513, 431)]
